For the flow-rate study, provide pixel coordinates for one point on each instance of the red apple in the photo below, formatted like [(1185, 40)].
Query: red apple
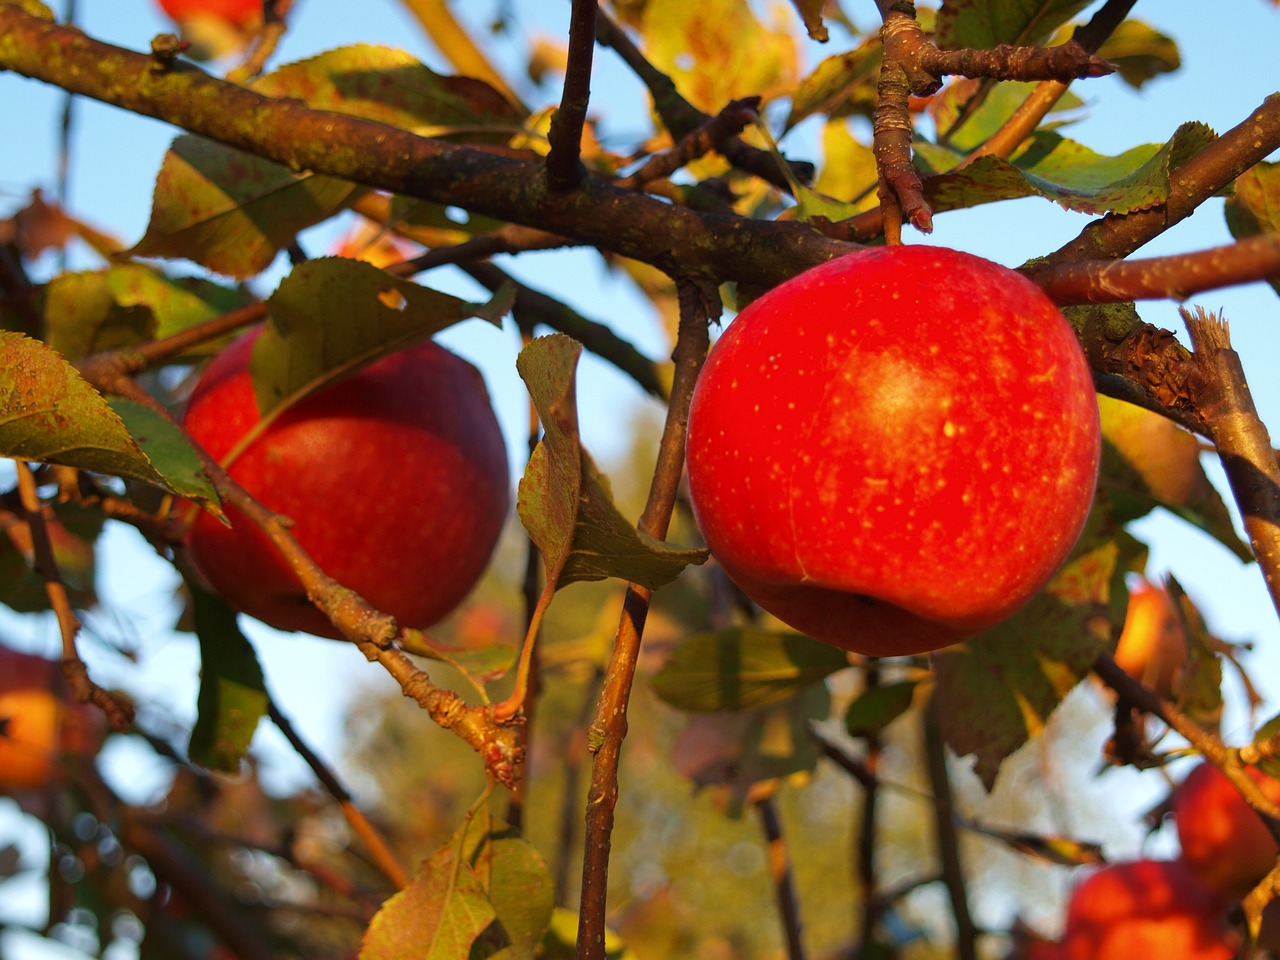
[(40, 726), (1153, 644), (1224, 842), (236, 13), (1146, 909), (894, 450), (395, 479)]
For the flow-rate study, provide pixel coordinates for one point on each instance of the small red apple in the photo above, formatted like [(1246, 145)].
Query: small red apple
[(395, 479), (40, 725), (236, 13), (894, 450), (1224, 842), (1146, 909), (1153, 644)]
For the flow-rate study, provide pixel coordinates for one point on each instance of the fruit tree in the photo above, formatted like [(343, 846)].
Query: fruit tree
[(628, 478)]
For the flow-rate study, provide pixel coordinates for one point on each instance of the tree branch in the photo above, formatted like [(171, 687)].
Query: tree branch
[(564, 164), (1226, 408), (697, 306), (1201, 177), (948, 838), (1174, 277), (676, 239)]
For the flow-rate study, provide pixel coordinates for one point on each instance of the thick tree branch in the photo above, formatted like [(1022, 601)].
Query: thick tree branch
[(1244, 446), (1159, 278), (675, 239)]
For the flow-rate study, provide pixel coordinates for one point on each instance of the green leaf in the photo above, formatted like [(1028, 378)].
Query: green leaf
[(981, 24), (176, 303), (1197, 688), (996, 691), (565, 502), (1140, 52), (50, 415), (849, 170), (169, 450), (716, 50), (391, 87), (1254, 204), (72, 532), (439, 916), (485, 895), (740, 669), (970, 111), (520, 888), (232, 212), (878, 706), (82, 316), (839, 86), (1149, 461), (1064, 171), (233, 694), (747, 750), (333, 316), (560, 942), (1047, 848)]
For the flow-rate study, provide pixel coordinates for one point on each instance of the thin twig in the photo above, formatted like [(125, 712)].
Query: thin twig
[(779, 868), (697, 305), (532, 307), (948, 836), (564, 162), (381, 853), (681, 117), (119, 712)]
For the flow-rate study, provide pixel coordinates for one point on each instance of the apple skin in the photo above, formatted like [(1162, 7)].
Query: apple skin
[(1224, 842), (237, 13), (1153, 643), (39, 723), (1146, 908), (895, 450), (395, 478)]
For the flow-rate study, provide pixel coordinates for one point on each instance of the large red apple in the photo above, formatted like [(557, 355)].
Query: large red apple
[(1224, 842), (896, 449), (40, 725), (395, 479), (1146, 909)]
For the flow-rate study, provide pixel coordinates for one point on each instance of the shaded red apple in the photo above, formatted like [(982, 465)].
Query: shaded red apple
[(395, 478), (894, 450), (1146, 909), (1153, 644), (40, 725), (1224, 842)]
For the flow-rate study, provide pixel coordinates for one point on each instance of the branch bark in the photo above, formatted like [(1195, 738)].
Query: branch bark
[(675, 239), (609, 728)]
